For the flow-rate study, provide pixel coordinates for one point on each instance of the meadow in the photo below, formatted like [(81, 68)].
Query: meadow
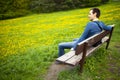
[(28, 45)]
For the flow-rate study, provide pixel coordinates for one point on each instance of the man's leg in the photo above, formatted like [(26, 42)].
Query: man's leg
[(75, 39), (64, 45)]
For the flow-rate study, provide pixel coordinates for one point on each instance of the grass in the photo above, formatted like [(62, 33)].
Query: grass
[(28, 45)]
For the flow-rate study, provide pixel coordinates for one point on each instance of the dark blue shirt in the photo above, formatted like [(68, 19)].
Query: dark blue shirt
[(91, 29)]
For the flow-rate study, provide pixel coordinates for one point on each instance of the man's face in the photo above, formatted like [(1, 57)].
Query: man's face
[(91, 16)]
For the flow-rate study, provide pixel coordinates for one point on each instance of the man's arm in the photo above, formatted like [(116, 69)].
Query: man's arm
[(109, 27), (84, 35)]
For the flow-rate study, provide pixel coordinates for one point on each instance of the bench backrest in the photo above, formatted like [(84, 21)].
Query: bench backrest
[(91, 41), (97, 38)]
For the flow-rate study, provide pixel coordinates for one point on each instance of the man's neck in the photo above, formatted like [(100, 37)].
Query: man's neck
[(96, 19)]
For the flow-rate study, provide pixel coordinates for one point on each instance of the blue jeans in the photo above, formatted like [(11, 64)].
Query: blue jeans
[(65, 45)]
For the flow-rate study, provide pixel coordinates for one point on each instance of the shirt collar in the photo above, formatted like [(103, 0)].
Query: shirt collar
[(96, 19)]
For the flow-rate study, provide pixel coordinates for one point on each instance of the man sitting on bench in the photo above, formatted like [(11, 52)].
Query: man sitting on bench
[(92, 28)]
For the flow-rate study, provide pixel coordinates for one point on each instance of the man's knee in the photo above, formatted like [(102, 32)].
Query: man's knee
[(60, 45), (75, 39)]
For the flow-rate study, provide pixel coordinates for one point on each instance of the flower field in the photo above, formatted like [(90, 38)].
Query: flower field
[(39, 30), (29, 44)]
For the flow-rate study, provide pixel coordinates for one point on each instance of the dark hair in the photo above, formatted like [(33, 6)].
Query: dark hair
[(97, 11)]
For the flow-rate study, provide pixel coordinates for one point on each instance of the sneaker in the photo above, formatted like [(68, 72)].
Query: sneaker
[(57, 62)]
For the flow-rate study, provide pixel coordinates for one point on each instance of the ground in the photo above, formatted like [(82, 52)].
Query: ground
[(54, 70)]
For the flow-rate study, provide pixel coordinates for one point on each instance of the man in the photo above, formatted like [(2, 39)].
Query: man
[(93, 27)]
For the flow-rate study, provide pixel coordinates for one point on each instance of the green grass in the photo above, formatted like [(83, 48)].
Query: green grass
[(28, 45)]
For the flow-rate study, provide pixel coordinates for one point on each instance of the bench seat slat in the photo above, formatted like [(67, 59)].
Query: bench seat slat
[(66, 56), (105, 39), (74, 60)]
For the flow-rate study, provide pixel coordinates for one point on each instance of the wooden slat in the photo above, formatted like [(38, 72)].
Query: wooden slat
[(74, 60), (105, 39), (97, 38), (86, 40), (90, 50), (66, 56)]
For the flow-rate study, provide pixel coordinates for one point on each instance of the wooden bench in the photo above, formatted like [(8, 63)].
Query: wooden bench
[(85, 48)]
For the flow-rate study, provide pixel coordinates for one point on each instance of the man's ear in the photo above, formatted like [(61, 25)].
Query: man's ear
[(95, 14)]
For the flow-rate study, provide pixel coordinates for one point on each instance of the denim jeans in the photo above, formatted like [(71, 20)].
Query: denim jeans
[(65, 45)]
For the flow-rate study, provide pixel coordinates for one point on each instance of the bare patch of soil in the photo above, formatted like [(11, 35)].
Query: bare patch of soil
[(54, 70)]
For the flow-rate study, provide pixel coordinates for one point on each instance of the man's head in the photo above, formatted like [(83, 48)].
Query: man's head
[(94, 13)]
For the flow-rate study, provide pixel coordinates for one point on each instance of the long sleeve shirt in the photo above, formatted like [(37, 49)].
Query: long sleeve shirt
[(91, 29)]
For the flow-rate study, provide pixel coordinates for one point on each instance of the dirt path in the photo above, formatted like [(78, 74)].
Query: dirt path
[(55, 69)]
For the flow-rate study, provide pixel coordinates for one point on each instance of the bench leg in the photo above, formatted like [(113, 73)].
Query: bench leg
[(83, 57), (81, 65), (109, 38), (107, 44)]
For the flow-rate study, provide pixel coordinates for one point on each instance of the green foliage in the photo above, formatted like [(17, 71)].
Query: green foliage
[(16, 8), (104, 1), (42, 6), (12, 14), (13, 8), (5, 5), (90, 2), (58, 5)]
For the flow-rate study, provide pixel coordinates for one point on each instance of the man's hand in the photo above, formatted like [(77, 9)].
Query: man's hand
[(112, 25), (72, 49)]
